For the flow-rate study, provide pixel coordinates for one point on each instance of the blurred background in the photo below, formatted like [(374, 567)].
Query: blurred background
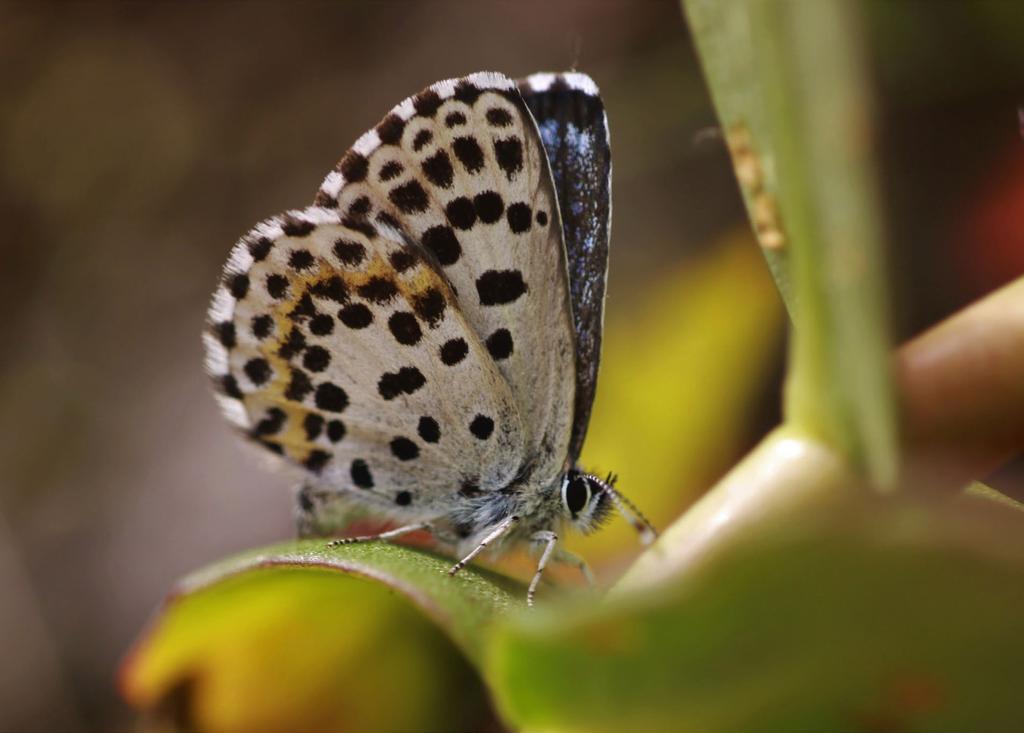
[(138, 141)]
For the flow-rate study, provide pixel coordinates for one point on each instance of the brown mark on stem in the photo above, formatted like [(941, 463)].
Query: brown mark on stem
[(763, 209)]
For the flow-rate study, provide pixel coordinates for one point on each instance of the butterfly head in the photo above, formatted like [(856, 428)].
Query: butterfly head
[(588, 500)]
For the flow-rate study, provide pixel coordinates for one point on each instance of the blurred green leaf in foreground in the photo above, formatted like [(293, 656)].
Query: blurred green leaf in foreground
[(300, 637), (878, 617)]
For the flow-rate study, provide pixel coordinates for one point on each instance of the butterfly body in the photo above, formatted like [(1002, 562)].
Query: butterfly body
[(422, 342)]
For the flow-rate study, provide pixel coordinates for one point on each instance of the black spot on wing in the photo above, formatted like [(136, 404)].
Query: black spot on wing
[(330, 397), (302, 309), (498, 287), (405, 328), (316, 460), (410, 198), (238, 285), (301, 259), (272, 422), (403, 498), (258, 371), (262, 325), (438, 169), (519, 217), (426, 103), (461, 213), (316, 359), (509, 153), (422, 139), (293, 344), (404, 449), (405, 381), (313, 424), (378, 289), (331, 288), (335, 431), (260, 248), (229, 386), (468, 151), (360, 474), (429, 306), (355, 316), (360, 207), (277, 286), (353, 167), (441, 241), (299, 385), (321, 325), (225, 333), (500, 345), (488, 206), (467, 92), (390, 129), (455, 119), (402, 260), (350, 253), (481, 427), (499, 117), (454, 351), (294, 227), (390, 170), (428, 429)]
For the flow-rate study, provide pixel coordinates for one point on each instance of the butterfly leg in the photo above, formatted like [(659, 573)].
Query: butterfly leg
[(571, 558), (502, 528), (549, 539), (390, 534)]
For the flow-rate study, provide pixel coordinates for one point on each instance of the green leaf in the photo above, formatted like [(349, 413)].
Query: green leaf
[(789, 83), (724, 34), (294, 637), (887, 616)]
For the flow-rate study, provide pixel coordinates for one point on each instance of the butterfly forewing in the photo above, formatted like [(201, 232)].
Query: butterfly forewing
[(574, 129), (460, 170)]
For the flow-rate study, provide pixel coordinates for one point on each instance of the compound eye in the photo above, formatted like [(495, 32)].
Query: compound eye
[(577, 494)]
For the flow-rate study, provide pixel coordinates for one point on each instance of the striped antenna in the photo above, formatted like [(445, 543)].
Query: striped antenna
[(629, 511)]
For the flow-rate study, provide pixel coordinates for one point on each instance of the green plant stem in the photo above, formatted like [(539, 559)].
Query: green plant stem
[(786, 473), (962, 399), (839, 384), (789, 85)]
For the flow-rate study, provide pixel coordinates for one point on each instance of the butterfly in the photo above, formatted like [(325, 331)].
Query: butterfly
[(423, 341)]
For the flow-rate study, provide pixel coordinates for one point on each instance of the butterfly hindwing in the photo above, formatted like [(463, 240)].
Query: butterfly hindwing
[(342, 350), (574, 129)]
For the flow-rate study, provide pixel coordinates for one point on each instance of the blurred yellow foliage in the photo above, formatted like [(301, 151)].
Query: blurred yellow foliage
[(680, 371)]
